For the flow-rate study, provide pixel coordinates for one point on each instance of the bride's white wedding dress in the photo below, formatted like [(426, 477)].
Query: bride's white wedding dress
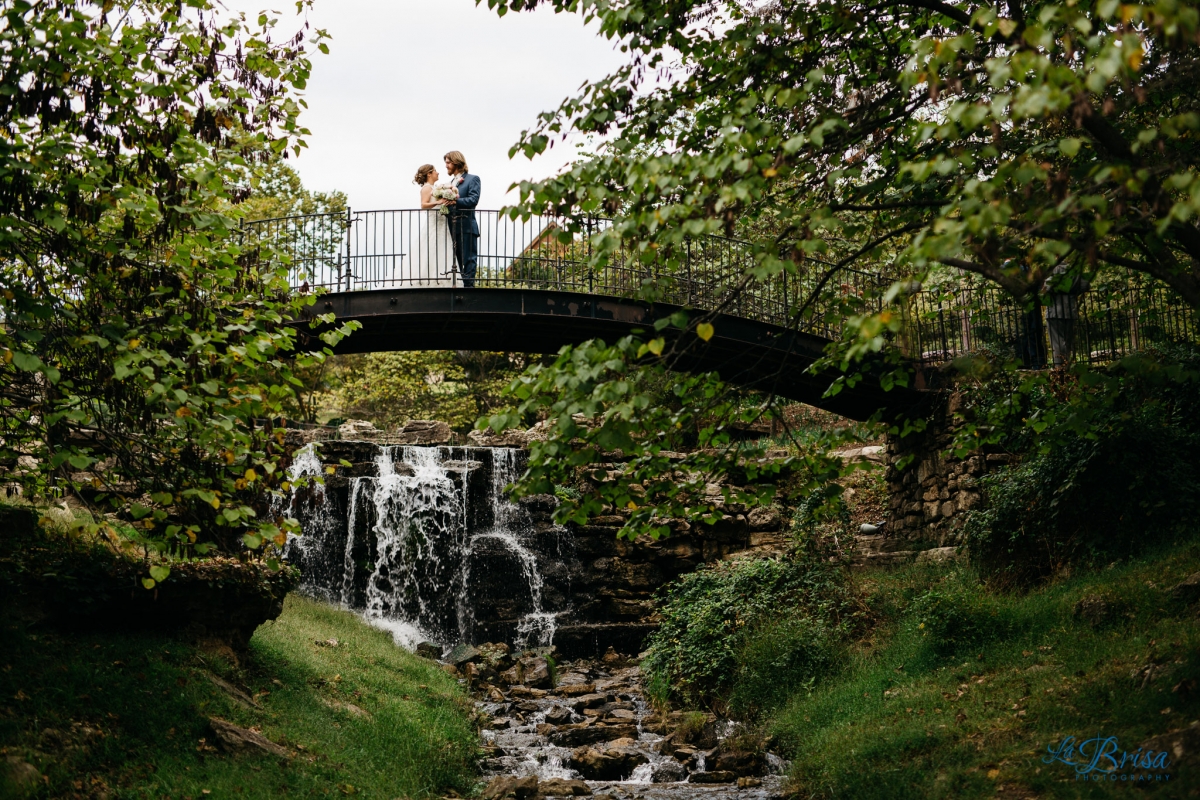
[(431, 253)]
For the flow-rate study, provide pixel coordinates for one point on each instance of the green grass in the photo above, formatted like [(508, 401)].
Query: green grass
[(959, 691), (129, 714)]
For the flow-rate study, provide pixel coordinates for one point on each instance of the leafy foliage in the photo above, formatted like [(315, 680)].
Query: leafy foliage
[(700, 654), (1088, 502), (670, 430), (455, 386), (933, 143), (985, 137), (1109, 464), (143, 348)]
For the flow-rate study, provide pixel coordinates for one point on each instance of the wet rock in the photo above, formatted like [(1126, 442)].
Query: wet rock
[(572, 679), (594, 700), (561, 787), (610, 764), (422, 432), (669, 772), (501, 723), (235, 738), (461, 654), (525, 691), (685, 755), (748, 783), (535, 673), (512, 676), (578, 735), (429, 650), (740, 763), (496, 655), (559, 715), (509, 786), (611, 656), (1187, 590), (621, 716), (712, 777), (358, 430), (575, 690)]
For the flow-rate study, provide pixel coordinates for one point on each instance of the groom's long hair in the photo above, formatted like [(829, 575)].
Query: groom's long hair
[(458, 160)]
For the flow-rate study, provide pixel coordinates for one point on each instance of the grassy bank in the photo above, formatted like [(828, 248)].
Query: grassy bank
[(959, 692), (127, 716)]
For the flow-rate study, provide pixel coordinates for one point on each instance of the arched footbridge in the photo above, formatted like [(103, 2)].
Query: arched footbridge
[(537, 290)]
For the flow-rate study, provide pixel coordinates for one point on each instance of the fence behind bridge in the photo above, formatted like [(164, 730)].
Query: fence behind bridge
[(364, 250)]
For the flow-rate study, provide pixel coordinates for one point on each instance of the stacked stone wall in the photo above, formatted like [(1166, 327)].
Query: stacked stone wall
[(928, 498)]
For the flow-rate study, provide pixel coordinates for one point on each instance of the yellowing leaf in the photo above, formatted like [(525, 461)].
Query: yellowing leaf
[(770, 172), (216, 502), (656, 346), (331, 470), (148, 583), (705, 330), (251, 475), (183, 411), (134, 344)]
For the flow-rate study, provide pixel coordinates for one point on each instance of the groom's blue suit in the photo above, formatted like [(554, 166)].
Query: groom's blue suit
[(464, 228)]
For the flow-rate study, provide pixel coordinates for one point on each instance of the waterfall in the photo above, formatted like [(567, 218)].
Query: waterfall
[(535, 628), (420, 547)]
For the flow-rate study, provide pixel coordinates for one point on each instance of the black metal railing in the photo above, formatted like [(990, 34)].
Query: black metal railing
[(1109, 324), (364, 250)]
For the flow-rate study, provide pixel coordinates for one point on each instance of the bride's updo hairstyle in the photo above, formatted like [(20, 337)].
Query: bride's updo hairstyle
[(422, 176)]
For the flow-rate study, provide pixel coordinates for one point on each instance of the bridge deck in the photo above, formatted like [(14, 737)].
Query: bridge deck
[(745, 352)]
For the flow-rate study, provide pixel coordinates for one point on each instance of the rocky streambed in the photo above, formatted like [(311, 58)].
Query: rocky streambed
[(576, 728)]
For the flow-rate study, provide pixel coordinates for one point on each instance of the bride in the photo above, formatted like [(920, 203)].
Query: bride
[(431, 262)]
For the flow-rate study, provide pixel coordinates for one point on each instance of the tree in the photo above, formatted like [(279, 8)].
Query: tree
[(910, 138), (999, 139), (455, 386), (145, 351)]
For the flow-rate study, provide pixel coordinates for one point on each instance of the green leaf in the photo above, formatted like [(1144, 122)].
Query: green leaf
[(159, 573)]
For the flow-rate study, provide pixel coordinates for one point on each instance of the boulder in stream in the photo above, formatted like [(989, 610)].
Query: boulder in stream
[(610, 764), (562, 787), (669, 772), (510, 786), (535, 672)]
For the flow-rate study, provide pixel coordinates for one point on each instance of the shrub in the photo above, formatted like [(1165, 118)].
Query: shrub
[(1111, 463), (783, 657), (955, 616), (1087, 502), (710, 616)]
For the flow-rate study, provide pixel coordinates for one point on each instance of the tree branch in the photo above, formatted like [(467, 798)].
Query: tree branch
[(1017, 288)]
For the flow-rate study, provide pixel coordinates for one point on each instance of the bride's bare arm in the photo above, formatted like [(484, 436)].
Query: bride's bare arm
[(427, 200)]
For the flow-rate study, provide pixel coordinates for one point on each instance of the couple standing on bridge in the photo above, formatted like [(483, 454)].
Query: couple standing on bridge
[(446, 238)]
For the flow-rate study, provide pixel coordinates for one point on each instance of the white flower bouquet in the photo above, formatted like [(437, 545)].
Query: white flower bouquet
[(444, 191)]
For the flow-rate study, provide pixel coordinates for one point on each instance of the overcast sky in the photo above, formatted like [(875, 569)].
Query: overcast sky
[(407, 80)]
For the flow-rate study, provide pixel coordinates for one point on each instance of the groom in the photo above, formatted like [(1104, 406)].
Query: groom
[(464, 228)]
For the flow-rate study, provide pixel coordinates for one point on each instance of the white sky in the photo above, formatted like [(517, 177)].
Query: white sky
[(407, 80)]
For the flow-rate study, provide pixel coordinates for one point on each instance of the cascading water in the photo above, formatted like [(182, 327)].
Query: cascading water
[(422, 544)]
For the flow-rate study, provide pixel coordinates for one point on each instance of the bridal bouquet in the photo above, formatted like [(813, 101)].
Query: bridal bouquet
[(444, 191)]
